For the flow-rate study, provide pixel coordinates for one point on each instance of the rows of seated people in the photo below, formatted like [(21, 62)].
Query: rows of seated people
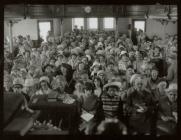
[(111, 77)]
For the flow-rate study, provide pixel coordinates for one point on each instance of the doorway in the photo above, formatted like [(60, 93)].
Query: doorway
[(44, 29)]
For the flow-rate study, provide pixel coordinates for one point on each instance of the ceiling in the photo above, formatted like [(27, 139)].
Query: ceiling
[(59, 11)]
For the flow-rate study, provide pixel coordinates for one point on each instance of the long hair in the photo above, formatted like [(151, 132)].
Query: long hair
[(97, 78)]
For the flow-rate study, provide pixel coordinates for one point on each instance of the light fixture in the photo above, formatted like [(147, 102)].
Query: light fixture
[(87, 9)]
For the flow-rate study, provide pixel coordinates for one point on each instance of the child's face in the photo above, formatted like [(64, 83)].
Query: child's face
[(48, 69), (97, 82), (84, 77), (172, 96), (110, 67), (156, 51), (81, 66), (44, 85), (130, 71), (135, 47), (138, 84), (78, 86), (112, 91), (154, 74)]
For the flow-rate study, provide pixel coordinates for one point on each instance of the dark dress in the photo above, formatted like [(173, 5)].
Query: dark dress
[(139, 122), (166, 108)]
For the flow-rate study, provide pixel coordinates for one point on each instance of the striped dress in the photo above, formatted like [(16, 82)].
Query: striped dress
[(112, 106)]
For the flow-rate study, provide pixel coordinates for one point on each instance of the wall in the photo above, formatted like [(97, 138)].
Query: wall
[(156, 28), (6, 29), (67, 25), (29, 26), (25, 27), (123, 25)]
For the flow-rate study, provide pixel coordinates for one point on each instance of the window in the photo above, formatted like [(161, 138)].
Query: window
[(108, 23), (139, 25), (78, 22), (44, 27), (93, 23)]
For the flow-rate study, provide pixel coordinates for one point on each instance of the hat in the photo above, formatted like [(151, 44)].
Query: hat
[(122, 53), (133, 78), (172, 87), (161, 81), (78, 49), (47, 66), (100, 52), (101, 72), (110, 63), (29, 83), (145, 66), (96, 64), (60, 47), (18, 81), (88, 52), (89, 57), (173, 49), (44, 78), (18, 55), (99, 44), (112, 84), (23, 70), (74, 51)]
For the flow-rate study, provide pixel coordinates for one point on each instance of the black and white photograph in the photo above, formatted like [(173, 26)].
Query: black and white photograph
[(90, 69)]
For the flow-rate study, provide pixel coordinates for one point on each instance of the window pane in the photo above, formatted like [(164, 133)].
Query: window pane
[(93, 23), (78, 22), (140, 25), (109, 23)]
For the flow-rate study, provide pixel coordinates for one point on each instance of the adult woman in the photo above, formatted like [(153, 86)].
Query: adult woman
[(79, 90), (98, 86), (95, 68), (172, 70), (80, 68), (153, 81), (101, 74), (139, 107), (66, 71), (18, 89), (123, 62), (48, 71), (73, 61), (44, 86), (129, 73), (29, 88), (138, 62), (167, 111)]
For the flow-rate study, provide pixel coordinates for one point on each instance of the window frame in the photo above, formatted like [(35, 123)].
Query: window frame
[(73, 22), (114, 24), (144, 20)]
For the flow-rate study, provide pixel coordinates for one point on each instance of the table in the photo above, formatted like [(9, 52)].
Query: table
[(59, 109)]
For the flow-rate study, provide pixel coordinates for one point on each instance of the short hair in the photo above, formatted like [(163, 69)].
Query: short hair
[(88, 86)]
